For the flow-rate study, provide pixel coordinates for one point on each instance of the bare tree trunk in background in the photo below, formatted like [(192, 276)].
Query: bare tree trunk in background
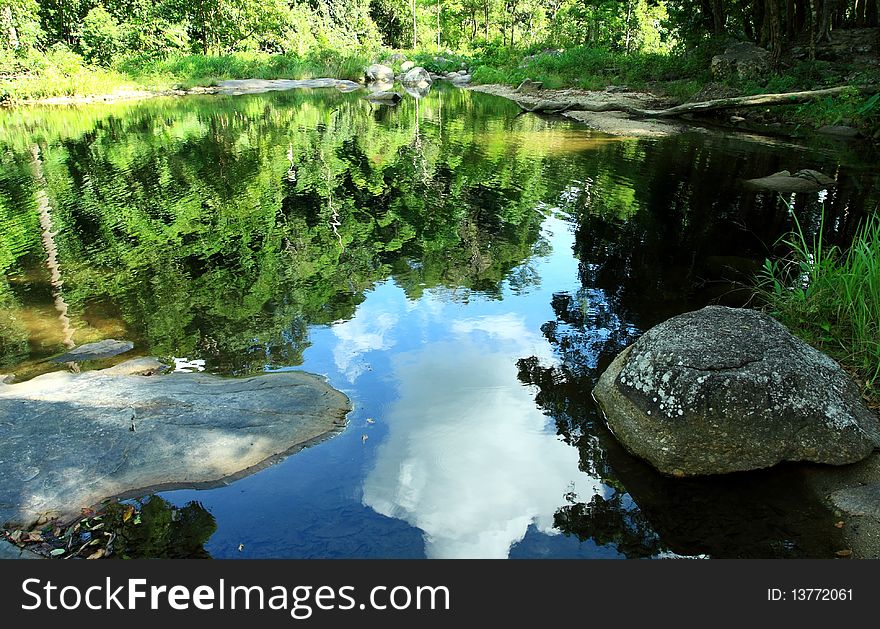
[(627, 26), (871, 13), (814, 21), (789, 14), (825, 23), (775, 25), (439, 5), (486, 15), (719, 18), (11, 31), (415, 29), (859, 12)]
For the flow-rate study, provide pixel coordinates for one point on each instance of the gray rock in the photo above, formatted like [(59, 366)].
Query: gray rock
[(94, 351), (11, 551), (802, 181), (68, 441), (841, 131), (418, 92), (378, 72), (744, 59), (417, 77), (397, 57), (461, 79), (385, 97), (723, 390), (236, 87), (406, 66), (528, 85), (858, 501)]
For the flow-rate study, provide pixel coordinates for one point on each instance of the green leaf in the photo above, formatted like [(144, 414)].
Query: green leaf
[(57, 552)]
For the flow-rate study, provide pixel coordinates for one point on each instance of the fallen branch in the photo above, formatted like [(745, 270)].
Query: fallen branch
[(789, 98)]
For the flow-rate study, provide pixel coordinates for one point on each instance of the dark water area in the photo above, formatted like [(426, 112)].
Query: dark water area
[(462, 272)]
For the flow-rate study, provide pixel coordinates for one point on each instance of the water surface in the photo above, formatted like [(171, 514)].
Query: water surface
[(462, 272)]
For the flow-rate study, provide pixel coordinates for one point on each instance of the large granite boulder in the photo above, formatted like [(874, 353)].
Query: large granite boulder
[(723, 390), (378, 73), (417, 77), (744, 59), (69, 440)]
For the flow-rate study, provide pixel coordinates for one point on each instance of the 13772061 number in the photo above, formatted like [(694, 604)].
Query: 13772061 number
[(821, 594)]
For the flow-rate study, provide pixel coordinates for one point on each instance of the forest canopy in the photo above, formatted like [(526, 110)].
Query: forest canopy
[(102, 30)]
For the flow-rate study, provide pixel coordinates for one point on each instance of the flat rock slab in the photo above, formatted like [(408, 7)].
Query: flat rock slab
[(94, 351), (256, 86), (68, 441)]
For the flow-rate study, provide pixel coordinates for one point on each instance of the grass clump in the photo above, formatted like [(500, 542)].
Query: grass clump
[(830, 297)]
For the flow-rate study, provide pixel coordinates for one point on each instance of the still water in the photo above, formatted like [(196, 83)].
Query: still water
[(462, 272)]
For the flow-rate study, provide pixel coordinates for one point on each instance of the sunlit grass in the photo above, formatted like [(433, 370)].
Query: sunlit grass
[(831, 297)]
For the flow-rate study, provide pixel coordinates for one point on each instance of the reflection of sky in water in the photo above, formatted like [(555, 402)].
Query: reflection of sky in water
[(468, 458), (458, 462)]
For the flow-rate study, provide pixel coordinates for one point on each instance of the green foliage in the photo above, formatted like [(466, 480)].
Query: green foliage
[(100, 37), (831, 297)]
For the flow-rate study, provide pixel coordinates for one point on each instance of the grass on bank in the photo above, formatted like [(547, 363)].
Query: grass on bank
[(831, 298), (61, 72)]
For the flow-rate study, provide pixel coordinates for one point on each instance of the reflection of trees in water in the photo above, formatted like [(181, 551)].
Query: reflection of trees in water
[(692, 225), (165, 531), (204, 227)]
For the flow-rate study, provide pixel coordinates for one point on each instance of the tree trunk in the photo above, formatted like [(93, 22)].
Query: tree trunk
[(415, 26), (824, 31), (719, 18), (775, 29), (11, 31)]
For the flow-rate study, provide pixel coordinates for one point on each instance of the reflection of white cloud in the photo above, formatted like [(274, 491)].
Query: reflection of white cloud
[(368, 331), (509, 329), (468, 458)]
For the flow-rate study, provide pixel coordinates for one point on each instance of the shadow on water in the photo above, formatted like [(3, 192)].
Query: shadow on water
[(312, 229)]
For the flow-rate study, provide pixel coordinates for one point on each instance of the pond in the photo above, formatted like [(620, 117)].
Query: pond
[(464, 273)]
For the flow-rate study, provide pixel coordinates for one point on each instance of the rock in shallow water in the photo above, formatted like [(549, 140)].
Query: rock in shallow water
[(68, 440), (723, 390), (94, 351)]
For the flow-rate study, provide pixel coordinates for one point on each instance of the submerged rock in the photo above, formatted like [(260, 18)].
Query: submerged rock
[(802, 181), (68, 441), (94, 351), (385, 97), (723, 390)]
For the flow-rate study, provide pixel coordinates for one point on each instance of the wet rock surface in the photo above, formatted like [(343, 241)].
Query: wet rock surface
[(94, 351), (257, 86), (69, 440), (802, 181), (722, 390)]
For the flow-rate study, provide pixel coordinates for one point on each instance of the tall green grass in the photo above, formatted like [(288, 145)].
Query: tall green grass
[(61, 72), (831, 297)]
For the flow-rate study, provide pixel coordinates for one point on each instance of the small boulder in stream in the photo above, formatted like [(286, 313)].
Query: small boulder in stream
[(378, 73), (94, 351), (805, 180), (68, 441), (417, 77), (723, 390)]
